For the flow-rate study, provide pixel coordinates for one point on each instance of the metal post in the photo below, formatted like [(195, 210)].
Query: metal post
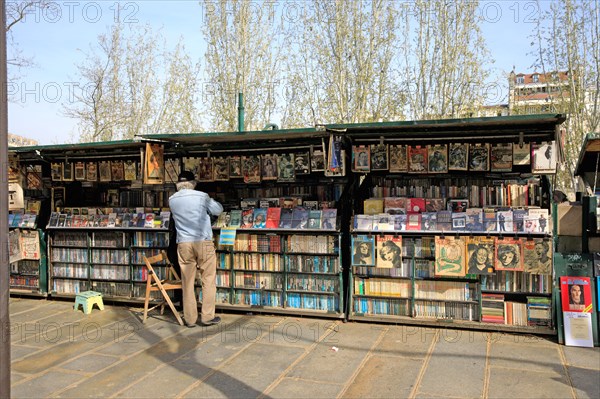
[(240, 112), (4, 268)]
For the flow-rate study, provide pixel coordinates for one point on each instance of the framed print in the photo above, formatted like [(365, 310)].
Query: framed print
[(450, 256), (56, 171), (437, 160), (479, 157), (363, 250), (79, 170), (269, 166), (68, 171), (251, 168), (221, 168), (129, 170), (543, 157), (501, 157), (379, 157), (104, 169), (205, 169), (509, 254), (116, 170), (91, 171), (398, 159), (154, 164), (285, 168), (361, 158), (302, 163), (458, 155), (235, 167), (417, 159)]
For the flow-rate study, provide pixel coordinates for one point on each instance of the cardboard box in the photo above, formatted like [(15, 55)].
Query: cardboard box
[(569, 220)]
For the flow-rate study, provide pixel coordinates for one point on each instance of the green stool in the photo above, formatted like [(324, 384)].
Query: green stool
[(87, 299)]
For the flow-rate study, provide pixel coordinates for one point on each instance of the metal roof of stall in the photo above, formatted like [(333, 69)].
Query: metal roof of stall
[(79, 151), (589, 155)]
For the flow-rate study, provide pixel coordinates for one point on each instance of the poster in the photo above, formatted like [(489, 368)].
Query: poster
[(154, 162)]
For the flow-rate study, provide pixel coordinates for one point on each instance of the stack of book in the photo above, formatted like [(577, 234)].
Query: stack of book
[(492, 308)]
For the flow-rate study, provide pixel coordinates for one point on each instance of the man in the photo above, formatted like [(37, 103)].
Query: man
[(195, 247)]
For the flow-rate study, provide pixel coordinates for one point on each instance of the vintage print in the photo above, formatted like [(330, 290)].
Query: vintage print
[(417, 159), (458, 155), (379, 157), (501, 157), (479, 157), (437, 158), (398, 159), (154, 170), (361, 158), (269, 166), (509, 254), (450, 256)]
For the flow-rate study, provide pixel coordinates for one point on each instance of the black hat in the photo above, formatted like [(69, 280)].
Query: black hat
[(186, 175)]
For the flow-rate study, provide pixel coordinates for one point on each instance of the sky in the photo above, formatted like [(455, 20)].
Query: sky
[(57, 40)]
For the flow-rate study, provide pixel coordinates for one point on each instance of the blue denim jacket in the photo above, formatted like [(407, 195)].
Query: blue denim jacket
[(191, 209)]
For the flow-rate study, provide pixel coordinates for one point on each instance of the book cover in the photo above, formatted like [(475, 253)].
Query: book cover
[(480, 255), (221, 168), (400, 222), (459, 221), (317, 160), (112, 218), (102, 220), (299, 218), (457, 205), (398, 159), (479, 157), (235, 167), (434, 204), (413, 221), (519, 220), (474, 219), (314, 219), (363, 250), (141, 219), (504, 219), (521, 154), (363, 222), (576, 294), (222, 220), (259, 220), (62, 219), (204, 172), (389, 252), (429, 221), (373, 206), (329, 219), (489, 219), (236, 218), (383, 222), (379, 156), (450, 256), (310, 205), (285, 168), (268, 203), (361, 158), (269, 166), (415, 205), (509, 254), (543, 158), (148, 220), (417, 159), (501, 157), (458, 155), (251, 168), (536, 221), (273, 217), (537, 256), (394, 205), (53, 221), (247, 218), (126, 222), (437, 158), (166, 219), (301, 163), (285, 219)]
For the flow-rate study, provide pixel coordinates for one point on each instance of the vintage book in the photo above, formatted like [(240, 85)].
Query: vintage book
[(489, 219), (116, 169), (480, 255), (474, 219), (501, 157), (458, 155), (302, 163), (543, 158), (437, 158), (236, 218), (389, 252), (285, 219), (521, 154), (249, 203), (141, 219), (329, 219), (62, 219), (519, 220), (450, 256), (363, 250), (479, 157), (289, 202), (398, 159), (361, 158), (102, 220), (53, 221), (251, 168), (310, 205), (492, 308), (130, 170), (383, 222), (104, 171), (299, 218), (285, 168), (417, 159), (434, 204), (76, 221), (273, 217), (394, 205), (235, 167), (536, 221), (222, 220), (379, 156), (269, 166), (112, 220), (415, 205), (166, 219), (444, 220), (504, 219), (399, 222), (268, 203), (204, 172), (221, 169), (459, 221), (259, 219), (363, 222), (126, 222), (91, 171), (148, 220), (509, 254), (429, 221), (314, 219), (457, 205), (247, 218), (373, 206), (317, 160), (413, 221), (537, 256)]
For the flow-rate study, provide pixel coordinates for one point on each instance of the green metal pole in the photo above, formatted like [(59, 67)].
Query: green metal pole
[(240, 112)]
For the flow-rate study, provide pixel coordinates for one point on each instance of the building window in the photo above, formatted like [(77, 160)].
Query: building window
[(520, 80), (535, 78)]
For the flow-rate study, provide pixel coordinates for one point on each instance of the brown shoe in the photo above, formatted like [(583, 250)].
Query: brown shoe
[(212, 322)]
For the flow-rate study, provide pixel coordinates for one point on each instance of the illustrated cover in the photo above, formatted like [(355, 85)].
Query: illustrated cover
[(285, 168), (251, 168), (79, 171), (519, 220), (417, 159), (104, 170), (148, 220), (317, 160), (154, 164), (301, 163), (450, 256), (204, 172), (459, 221), (373, 206), (504, 219), (259, 220), (329, 219), (103, 221), (379, 157), (537, 256), (434, 204), (398, 159), (126, 222), (191, 164), (273, 216), (413, 221), (383, 222), (479, 157), (501, 157), (474, 219), (235, 167), (236, 218), (457, 205), (429, 221), (34, 177), (56, 171), (458, 155), (399, 222), (285, 220), (223, 220), (363, 222), (444, 220), (437, 158), (489, 219), (299, 218), (247, 218), (314, 219), (269, 166), (91, 171), (221, 168), (130, 170), (576, 294), (361, 158), (543, 157), (363, 250), (509, 254), (310, 205), (536, 221), (68, 171), (116, 170), (394, 205), (112, 218), (415, 205), (480, 255), (521, 154), (389, 252)]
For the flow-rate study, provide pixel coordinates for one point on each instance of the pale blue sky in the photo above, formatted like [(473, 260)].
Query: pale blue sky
[(54, 40)]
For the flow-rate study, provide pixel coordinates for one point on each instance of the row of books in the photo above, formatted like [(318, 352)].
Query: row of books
[(112, 220), (25, 267), (24, 282), (381, 306), (108, 210), (536, 312), (446, 310), (493, 220), (22, 220), (278, 218)]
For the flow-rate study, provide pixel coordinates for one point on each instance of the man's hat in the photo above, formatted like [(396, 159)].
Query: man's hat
[(186, 175)]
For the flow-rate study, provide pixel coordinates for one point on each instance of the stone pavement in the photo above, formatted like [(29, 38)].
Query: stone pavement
[(57, 352)]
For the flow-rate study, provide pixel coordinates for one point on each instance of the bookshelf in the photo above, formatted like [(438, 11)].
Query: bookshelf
[(28, 263)]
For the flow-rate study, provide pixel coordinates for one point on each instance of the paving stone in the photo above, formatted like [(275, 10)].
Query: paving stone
[(18, 352), (406, 341), (90, 363), (582, 357), (586, 382), (294, 388), (300, 332), (506, 383), (44, 385), (525, 356)]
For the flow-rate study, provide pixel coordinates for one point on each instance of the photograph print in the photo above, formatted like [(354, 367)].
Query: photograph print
[(363, 250), (458, 155), (379, 157), (361, 158), (317, 160), (479, 157), (480, 255), (389, 251), (302, 163), (438, 158), (269, 166), (285, 168)]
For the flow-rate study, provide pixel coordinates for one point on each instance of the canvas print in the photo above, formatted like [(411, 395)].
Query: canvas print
[(302, 163), (479, 157), (543, 157), (458, 155), (92, 171), (235, 167), (205, 169), (501, 157), (251, 168), (361, 158), (379, 157), (154, 162), (104, 169), (509, 254), (537, 256), (417, 159), (221, 168), (285, 168), (363, 250), (389, 252), (450, 256), (480, 255), (269, 166), (437, 158), (398, 159)]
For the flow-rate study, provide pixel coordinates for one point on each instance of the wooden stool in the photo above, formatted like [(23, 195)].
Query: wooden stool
[(87, 299)]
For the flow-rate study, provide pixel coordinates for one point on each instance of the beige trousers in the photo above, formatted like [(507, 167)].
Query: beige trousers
[(193, 257)]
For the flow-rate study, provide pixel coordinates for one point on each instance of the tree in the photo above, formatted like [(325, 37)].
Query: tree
[(125, 94), (567, 38)]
